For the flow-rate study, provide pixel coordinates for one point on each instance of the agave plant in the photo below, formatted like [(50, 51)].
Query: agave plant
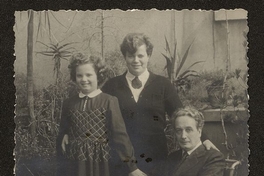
[(57, 53), (174, 66)]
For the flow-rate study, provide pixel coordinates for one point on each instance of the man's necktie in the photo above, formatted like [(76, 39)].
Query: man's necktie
[(184, 156), (136, 83)]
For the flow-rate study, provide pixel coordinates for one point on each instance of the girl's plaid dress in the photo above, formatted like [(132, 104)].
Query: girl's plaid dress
[(94, 125)]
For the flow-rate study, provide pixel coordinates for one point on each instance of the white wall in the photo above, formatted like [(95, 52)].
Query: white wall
[(210, 42)]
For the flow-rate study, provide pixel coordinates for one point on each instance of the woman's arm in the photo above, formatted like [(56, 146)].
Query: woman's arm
[(120, 137)]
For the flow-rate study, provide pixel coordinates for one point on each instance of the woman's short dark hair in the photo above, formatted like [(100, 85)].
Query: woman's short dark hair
[(81, 59), (190, 112), (134, 40)]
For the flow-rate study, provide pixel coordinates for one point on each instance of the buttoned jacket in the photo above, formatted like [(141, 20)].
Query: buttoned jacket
[(146, 119), (201, 162)]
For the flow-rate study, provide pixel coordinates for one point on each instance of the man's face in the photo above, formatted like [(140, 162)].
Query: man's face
[(187, 133), (137, 63)]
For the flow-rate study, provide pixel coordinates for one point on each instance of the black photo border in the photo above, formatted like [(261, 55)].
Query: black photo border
[(255, 54)]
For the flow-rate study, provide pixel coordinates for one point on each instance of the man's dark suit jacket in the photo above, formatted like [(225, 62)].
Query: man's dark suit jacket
[(201, 162), (146, 119)]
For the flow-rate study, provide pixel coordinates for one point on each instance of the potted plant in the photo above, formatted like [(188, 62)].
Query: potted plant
[(226, 89), (217, 90), (174, 66)]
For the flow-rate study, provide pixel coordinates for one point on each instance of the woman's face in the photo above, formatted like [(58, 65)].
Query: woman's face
[(86, 78), (137, 63)]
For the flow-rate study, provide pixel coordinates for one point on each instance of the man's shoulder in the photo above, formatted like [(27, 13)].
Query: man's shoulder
[(153, 79), (116, 79), (212, 153), (111, 84), (215, 153), (159, 79), (157, 76)]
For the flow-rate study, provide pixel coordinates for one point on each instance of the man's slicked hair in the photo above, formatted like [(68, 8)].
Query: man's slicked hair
[(190, 112)]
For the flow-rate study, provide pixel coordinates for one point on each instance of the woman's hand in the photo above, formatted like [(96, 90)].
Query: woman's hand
[(137, 172), (208, 145), (65, 141)]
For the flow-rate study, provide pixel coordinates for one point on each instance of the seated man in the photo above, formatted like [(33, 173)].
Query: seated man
[(192, 159)]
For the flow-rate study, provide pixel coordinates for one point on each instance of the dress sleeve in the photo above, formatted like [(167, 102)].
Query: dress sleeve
[(119, 136), (63, 128), (65, 121)]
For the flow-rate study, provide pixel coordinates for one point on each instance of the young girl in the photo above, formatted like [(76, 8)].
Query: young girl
[(91, 123)]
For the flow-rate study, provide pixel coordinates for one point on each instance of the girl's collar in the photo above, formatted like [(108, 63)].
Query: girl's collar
[(92, 94)]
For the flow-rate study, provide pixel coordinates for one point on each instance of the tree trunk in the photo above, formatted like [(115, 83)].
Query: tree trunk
[(30, 85), (102, 34)]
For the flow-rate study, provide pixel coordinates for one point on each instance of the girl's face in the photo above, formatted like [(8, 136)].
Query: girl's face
[(86, 78)]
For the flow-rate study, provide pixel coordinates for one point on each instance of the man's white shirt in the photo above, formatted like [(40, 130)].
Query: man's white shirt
[(198, 145), (143, 78)]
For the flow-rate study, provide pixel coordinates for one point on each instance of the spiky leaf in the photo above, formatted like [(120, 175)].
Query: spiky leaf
[(168, 65), (194, 64), (184, 59), (62, 46), (167, 46)]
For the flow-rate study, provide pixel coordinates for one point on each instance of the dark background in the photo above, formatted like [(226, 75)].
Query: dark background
[(255, 10)]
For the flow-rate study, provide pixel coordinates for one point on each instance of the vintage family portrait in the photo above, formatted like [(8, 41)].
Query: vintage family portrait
[(131, 93)]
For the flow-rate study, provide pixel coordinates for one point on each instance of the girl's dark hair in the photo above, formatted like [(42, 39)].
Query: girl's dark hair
[(134, 40), (81, 59)]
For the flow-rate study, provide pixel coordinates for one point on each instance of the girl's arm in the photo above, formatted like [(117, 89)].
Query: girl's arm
[(62, 139), (64, 122), (119, 135)]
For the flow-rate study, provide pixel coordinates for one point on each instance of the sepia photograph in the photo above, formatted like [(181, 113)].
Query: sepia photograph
[(131, 93)]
